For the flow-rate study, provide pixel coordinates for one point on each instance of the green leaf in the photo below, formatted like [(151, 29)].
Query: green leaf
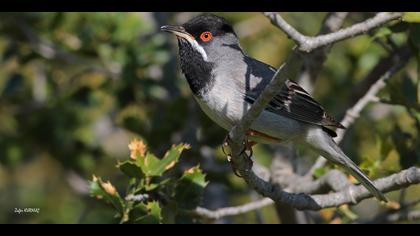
[(149, 164), (151, 186), (413, 17), (155, 210), (318, 172), (152, 166), (381, 33), (138, 211), (131, 169), (370, 166), (190, 188), (153, 216), (97, 189), (171, 157)]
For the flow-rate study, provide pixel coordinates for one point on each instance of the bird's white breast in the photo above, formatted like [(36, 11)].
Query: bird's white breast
[(224, 103)]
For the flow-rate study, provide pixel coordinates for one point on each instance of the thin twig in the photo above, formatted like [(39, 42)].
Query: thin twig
[(307, 43), (351, 195), (315, 60), (242, 163), (231, 211)]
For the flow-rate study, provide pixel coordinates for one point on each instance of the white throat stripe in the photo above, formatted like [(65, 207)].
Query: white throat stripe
[(198, 48)]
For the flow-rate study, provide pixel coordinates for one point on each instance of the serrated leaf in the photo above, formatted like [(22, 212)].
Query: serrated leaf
[(190, 188), (413, 17), (131, 169), (148, 164), (152, 166), (96, 187), (171, 157), (153, 213)]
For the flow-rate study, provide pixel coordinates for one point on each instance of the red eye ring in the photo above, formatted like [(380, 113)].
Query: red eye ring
[(206, 36)]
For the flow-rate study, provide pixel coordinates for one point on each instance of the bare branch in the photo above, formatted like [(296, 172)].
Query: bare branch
[(242, 163), (315, 60), (291, 32), (351, 195), (333, 180), (231, 211), (333, 22), (282, 174), (307, 43)]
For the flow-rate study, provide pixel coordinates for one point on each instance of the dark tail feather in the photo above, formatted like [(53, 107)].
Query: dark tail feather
[(326, 146), (364, 180)]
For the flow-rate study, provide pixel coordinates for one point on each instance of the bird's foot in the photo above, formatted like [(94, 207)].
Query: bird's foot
[(246, 152)]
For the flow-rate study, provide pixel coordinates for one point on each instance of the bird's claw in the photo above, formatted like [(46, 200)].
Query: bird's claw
[(243, 152)]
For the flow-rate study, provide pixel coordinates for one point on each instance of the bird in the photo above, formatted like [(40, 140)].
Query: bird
[(225, 82)]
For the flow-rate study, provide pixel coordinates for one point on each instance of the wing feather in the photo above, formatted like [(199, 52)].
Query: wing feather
[(291, 101)]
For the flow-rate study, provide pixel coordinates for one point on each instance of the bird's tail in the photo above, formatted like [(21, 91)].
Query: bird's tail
[(326, 146), (363, 179)]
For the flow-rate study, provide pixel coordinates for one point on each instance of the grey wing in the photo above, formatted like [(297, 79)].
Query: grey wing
[(293, 101)]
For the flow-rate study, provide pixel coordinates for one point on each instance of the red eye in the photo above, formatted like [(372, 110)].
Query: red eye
[(206, 36)]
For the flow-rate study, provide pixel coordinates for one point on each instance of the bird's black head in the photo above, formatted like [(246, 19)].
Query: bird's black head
[(206, 34), (203, 43), (210, 23)]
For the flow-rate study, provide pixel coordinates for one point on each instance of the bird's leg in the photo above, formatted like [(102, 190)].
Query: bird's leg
[(229, 155), (247, 147)]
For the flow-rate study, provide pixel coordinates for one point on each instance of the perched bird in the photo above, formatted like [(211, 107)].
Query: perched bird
[(226, 82)]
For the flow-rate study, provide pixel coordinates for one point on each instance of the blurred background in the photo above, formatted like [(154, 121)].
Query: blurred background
[(75, 88)]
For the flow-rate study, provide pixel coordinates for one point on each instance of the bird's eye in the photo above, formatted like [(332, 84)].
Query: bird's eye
[(206, 36)]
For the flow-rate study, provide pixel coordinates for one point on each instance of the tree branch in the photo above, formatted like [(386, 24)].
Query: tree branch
[(308, 43), (315, 60), (230, 211), (283, 175), (243, 164), (351, 195), (312, 67)]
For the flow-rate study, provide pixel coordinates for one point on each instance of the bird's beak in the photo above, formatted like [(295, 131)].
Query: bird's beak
[(179, 31)]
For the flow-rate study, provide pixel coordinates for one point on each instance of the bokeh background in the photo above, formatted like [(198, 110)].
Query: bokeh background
[(75, 88)]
